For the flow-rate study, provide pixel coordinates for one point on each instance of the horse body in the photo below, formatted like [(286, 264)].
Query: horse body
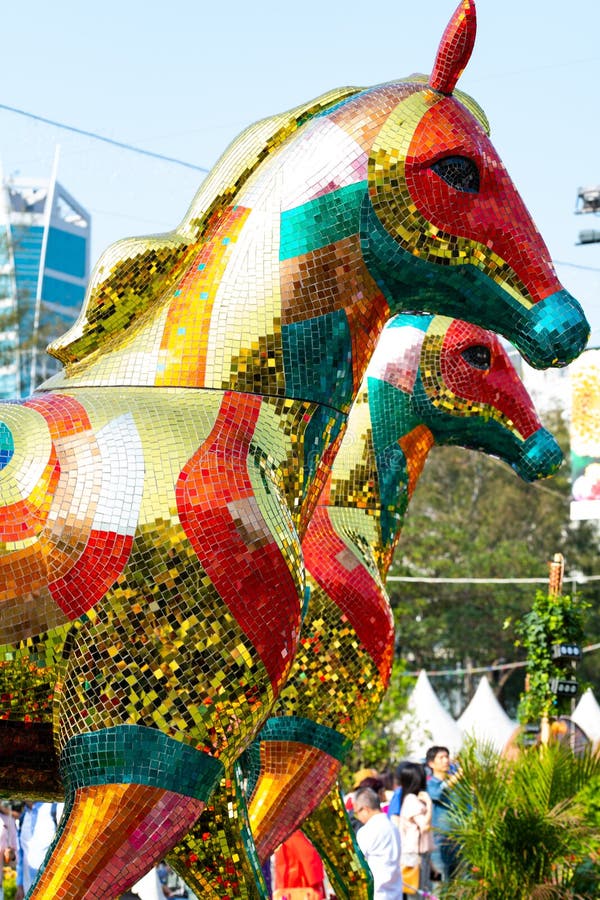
[(160, 609)]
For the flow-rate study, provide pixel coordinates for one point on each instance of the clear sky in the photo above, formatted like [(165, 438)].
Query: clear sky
[(183, 78)]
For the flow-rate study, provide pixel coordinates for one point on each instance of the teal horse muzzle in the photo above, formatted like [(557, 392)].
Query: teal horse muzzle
[(555, 331), (540, 456)]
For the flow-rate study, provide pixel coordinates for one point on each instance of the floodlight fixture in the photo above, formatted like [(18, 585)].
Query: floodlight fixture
[(566, 652), (564, 687), (589, 236), (588, 199)]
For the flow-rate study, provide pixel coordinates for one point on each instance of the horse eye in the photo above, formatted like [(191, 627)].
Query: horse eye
[(459, 172), (477, 356)]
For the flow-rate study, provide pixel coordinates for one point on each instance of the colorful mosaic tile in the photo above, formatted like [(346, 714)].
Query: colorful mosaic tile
[(217, 857), (154, 495)]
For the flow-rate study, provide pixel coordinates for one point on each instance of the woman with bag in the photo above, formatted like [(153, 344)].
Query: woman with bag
[(416, 838)]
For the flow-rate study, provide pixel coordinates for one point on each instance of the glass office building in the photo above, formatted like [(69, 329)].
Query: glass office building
[(44, 268)]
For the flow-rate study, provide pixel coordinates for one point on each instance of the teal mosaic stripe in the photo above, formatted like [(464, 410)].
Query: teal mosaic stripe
[(249, 766), (7, 445), (134, 754), (305, 731), (322, 221), (327, 341), (246, 833)]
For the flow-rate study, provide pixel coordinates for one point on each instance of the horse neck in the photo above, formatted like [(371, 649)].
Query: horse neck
[(375, 476)]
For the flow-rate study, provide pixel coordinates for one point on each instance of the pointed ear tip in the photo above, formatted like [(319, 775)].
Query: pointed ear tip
[(455, 48)]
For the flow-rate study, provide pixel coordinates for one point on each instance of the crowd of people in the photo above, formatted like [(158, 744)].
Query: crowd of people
[(401, 829), (403, 836), (27, 830)]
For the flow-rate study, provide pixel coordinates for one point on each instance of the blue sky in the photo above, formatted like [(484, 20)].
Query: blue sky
[(184, 78)]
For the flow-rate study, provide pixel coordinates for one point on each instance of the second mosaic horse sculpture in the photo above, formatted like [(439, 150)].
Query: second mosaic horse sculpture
[(432, 380)]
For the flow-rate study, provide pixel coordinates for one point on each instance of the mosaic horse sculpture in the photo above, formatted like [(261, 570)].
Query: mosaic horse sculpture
[(432, 380), (154, 495)]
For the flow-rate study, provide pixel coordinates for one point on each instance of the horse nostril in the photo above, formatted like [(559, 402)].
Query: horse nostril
[(558, 331), (541, 456)]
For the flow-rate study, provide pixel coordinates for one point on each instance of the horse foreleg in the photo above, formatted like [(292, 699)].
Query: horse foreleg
[(217, 858), (132, 795), (299, 763), (113, 834)]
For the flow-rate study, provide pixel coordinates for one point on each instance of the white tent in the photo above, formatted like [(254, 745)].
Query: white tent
[(426, 722), (485, 720), (587, 715)]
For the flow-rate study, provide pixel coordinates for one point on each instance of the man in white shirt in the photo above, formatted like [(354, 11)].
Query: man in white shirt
[(37, 827), (380, 844)]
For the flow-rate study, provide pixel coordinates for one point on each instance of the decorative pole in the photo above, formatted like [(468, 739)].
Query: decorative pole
[(555, 582), (557, 571)]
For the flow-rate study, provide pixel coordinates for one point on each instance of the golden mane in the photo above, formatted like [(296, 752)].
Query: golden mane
[(133, 273)]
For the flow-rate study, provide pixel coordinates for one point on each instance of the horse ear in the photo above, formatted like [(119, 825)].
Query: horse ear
[(455, 48)]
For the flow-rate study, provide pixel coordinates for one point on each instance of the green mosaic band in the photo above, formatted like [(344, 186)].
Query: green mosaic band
[(304, 731), (323, 221), (133, 754)]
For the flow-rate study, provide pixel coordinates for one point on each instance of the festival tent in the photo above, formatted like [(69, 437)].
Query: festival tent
[(426, 722), (587, 715), (485, 720)]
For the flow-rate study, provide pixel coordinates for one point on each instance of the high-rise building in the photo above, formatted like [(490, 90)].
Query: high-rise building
[(44, 268)]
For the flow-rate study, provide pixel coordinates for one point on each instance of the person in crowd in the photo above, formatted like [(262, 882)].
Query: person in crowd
[(393, 810), (8, 839), (173, 884), (37, 826), (376, 784), (379, 842), (389, 785), (443, 857), (359, 777), (416, 838), (298, 865)]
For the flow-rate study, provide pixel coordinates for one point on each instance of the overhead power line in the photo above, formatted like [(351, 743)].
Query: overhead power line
[(107, 140), (559, 262), (577, 579)]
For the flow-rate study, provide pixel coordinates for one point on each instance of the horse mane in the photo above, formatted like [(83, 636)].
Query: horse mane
[(133, 273)]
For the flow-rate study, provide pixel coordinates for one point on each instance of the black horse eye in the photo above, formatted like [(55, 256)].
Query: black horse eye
[(477, 356), (459, 172)]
